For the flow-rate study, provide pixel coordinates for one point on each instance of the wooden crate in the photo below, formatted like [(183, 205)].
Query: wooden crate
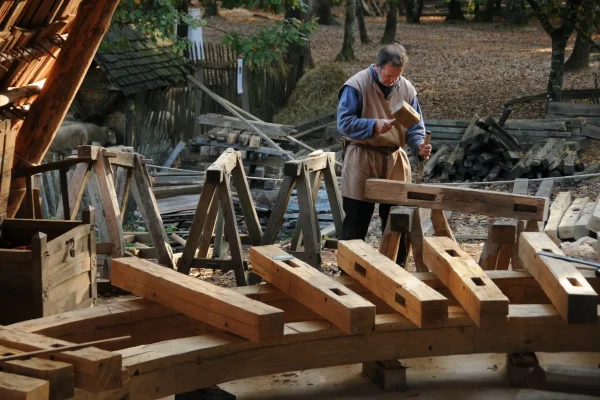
[(54, 273)]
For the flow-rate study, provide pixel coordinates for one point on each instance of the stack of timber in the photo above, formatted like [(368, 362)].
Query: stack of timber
[(319, 132), (489, 152), (526, 131), (188, 334), (588, 114), (573, 219)]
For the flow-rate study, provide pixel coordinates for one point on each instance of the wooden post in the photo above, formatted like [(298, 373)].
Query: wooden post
[(36, 134), (39, 250), (88, 216)]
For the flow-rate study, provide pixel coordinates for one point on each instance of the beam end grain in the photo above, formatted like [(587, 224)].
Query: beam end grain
[(345, 309), (219, 307), (569, 291)]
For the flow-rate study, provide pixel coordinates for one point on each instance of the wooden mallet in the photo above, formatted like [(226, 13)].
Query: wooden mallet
[(405, 116)]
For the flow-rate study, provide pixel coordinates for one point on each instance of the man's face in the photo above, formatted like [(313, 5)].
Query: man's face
[(388, 74)]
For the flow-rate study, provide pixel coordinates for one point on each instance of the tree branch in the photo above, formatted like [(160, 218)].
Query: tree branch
[(586, 37), (542, 17)]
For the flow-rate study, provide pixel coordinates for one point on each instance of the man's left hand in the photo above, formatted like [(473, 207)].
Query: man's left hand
[(425, 150)]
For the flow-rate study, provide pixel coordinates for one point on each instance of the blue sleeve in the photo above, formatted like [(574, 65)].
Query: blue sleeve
[(349, 121), (415, 135)]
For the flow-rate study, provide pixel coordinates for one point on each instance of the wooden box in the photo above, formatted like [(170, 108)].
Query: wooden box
[(54, 273)]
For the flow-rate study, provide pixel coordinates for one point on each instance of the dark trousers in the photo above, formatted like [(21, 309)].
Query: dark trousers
[(357, 219)]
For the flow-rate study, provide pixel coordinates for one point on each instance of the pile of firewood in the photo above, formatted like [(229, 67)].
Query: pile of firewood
[(487, 152)]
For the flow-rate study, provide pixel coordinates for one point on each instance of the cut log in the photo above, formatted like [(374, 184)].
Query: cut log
[(474, 201), (473, 289), (201, 300), (409, 296), (557, 210), (566, 228), (571, 294), (543, 152), (345, 309), (581, 229), (433, 161), (524, 164)]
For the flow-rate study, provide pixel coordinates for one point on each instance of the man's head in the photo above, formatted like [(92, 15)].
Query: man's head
[(391, 60)]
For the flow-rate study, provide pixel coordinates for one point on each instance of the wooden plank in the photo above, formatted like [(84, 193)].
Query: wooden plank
[(566, 228), (573, 110), (594, 224), (441, 227), (110, 204), (201, 300), (557, 210), (397, 287), (243, 191), (17, 387), (580, 229), (573, 297), (345, 309), (474, 201), (58, 374), (95, 370), (544, 190), (474, 290), (222, 166)]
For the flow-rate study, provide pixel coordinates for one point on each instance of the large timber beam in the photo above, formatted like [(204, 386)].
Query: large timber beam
[(162, 369), (48, 111), (494, 204)]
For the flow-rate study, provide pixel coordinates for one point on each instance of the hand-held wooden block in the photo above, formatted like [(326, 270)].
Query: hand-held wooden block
[(406, 116), (345, 309), (219, 307), (405, 293), (571, 294), (495, 204), (475, 291)]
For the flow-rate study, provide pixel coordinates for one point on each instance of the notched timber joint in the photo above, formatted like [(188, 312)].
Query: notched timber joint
[(526, 208), (421, 196), (360, 269)]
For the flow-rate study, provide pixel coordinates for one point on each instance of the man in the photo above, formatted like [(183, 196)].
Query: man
[(372, 144)]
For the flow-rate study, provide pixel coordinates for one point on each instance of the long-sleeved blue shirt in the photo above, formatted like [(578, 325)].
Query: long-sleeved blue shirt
[(352, 125)]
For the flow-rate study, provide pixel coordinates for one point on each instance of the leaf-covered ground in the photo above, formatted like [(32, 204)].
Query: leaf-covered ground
[(458, 69)]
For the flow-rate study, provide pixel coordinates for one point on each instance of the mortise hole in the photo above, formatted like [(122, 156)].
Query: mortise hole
[(57, 345), (288, 262), (478, 281), (400, 300), (525, 208), (576, 209), (137, 372), (420, 196), (338, 292), (452, 253), (548, 250), (7, 354), (574, 282), (358, 268), (430, 348)]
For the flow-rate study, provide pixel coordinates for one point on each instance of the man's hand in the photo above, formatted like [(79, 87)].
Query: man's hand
[(425, 150), (382, 126)]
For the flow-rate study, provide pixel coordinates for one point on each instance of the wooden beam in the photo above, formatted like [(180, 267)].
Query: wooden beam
[(406, 294), (345, 309), (594, 224), (475, 291), (95, 370), (222, 167), (557, 210), (231, 122), (58, 374), (17, 387), (35, 136), (573, 297), (566, 228), (581, 226), (474, 201), (162, 369), (219, 307)]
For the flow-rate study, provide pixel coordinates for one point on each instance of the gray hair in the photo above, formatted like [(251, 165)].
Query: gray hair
[(394, 54)]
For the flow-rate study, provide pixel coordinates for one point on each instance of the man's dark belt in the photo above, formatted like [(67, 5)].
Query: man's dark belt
[(385, 150)]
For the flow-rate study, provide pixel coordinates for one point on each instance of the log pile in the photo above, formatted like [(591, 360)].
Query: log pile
[(488, 152)]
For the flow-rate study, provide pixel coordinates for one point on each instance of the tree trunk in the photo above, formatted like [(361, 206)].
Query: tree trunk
[(579, 59), (497, 10), (455, 12), (515, 14), (389, 33), (408, 10), (304, 51), (401, 11), (211, 9), (347, 52), (488, 14), (322, 10), (92, 20), (362, 28), (555, 81)]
